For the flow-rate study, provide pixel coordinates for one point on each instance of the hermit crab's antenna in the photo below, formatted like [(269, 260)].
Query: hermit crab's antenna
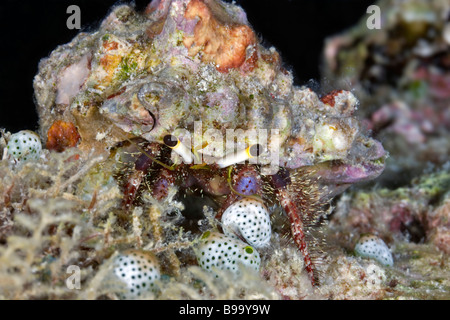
[(240, 156)]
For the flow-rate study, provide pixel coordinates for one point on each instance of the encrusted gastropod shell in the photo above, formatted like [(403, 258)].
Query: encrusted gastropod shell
[(174, 76), (138, 106)]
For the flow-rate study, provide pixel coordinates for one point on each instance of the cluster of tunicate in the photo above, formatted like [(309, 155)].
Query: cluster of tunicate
[(219, 252), (246, 226), (370, 246), (23, 146), (136, 274), (248, 218)]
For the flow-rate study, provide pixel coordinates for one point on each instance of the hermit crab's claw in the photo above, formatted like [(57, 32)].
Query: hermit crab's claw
[(244, 180), (367, 162)]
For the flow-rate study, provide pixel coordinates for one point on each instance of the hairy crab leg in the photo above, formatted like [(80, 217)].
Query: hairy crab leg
[(131, 188), (161, 184), (297, 229), (296, 217), (141, 165)]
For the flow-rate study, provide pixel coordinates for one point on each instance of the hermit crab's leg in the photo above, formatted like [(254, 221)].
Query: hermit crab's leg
[(141, 166), (293, 208), (160, 185), (131, 188)]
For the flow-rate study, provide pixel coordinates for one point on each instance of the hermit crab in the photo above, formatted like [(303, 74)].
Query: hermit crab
[(187, 89), (249, 171)]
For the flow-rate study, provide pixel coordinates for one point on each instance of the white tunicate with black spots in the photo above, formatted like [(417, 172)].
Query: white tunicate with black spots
[(137, 272), (24, 145), (217, 251), (250, 219), (370, 246)]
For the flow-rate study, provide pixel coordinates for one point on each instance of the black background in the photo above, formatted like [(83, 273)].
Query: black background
[(30, 30)]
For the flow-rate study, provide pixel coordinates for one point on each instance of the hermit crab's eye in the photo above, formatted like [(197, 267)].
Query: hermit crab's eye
[(171, 141), (243, 155), (255, 150), (176, 145)]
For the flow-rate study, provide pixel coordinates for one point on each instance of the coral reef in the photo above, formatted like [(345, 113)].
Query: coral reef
[(416, 213), (400, 73), (62, 135)]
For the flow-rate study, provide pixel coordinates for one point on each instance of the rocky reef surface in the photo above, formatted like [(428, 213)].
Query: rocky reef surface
[(401, 75), (125, 199)]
